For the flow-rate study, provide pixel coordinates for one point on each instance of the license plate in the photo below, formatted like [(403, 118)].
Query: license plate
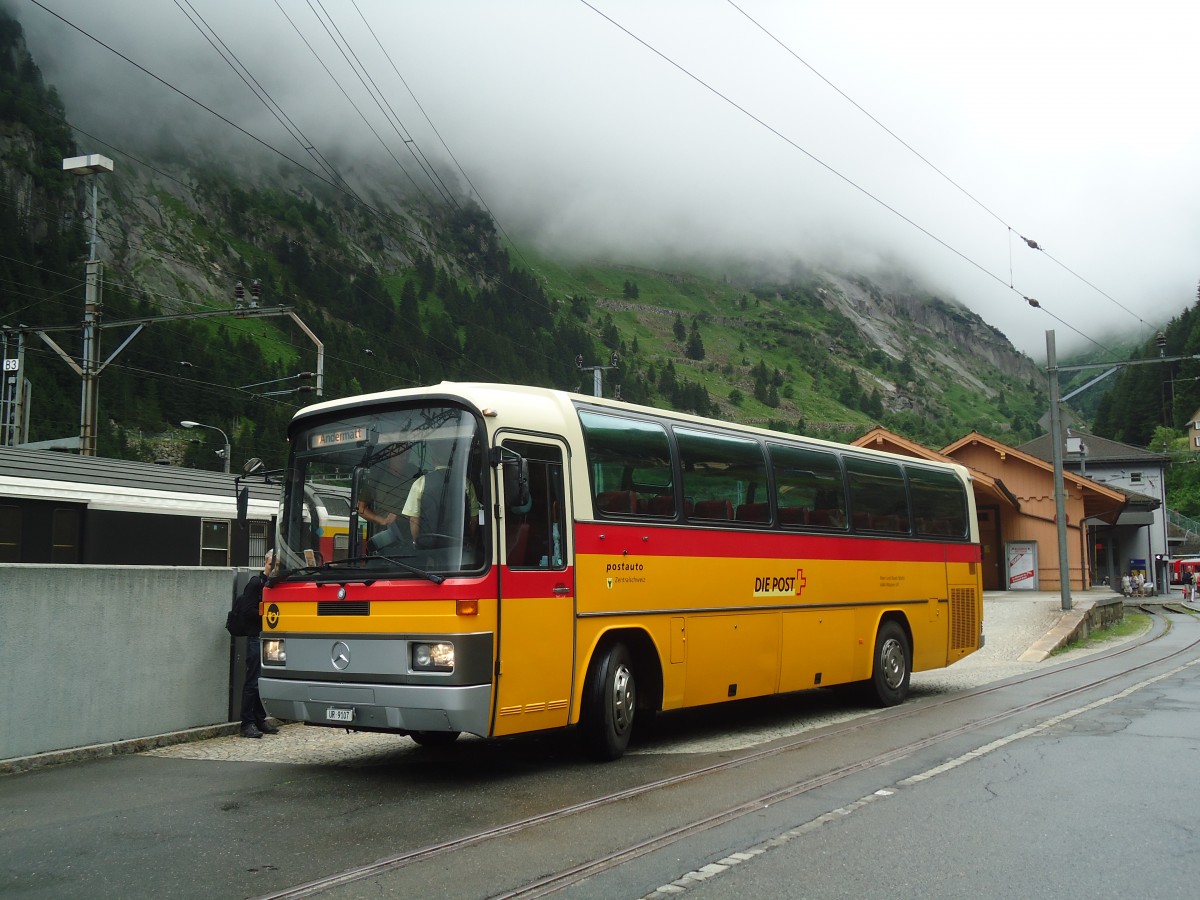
[(339, 715)]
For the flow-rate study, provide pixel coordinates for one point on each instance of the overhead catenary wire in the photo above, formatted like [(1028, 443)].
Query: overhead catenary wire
[(104, 232), (421, 238), (256, 87), (438, 135), (381, 102), (245, 327), (1029, 242), (827, 166), (124, 239), (349, 100), (324, 179)]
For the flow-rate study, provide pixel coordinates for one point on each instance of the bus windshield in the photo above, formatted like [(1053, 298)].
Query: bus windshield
[(397, 491)]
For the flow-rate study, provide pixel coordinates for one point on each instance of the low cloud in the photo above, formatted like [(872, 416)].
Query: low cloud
[(1077, 131)]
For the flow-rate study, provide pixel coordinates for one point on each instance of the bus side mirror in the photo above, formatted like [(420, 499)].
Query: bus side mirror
[(516, 482)]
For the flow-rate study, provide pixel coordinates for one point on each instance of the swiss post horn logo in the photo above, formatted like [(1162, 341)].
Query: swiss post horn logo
[(780, 584)]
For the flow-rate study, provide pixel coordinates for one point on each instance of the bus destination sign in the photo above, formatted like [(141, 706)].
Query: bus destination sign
[(355, 435)]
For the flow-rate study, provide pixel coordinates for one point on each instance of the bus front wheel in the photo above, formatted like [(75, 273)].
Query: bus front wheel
[(892, 665), (611, 703), (434, 738)]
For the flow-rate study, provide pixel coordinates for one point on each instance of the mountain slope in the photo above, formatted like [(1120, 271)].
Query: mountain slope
[(405, 293)]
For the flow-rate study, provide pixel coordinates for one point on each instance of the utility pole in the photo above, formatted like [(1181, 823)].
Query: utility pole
[(1060, 503), (1056, 438), (87, 370), (596, 370), (14, 390)]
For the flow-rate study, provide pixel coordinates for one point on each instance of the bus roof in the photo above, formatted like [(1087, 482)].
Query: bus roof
[(555, 411)]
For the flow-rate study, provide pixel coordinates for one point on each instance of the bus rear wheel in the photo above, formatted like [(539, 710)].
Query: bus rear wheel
[(611, 701), (892, 666)]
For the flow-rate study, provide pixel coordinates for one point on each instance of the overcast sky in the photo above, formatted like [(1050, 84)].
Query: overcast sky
[(661, 132)]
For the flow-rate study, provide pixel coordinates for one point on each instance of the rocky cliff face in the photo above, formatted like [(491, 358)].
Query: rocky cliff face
[(929, 331)]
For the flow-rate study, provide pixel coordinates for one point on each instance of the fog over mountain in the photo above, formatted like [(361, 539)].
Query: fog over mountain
[(686, 133)]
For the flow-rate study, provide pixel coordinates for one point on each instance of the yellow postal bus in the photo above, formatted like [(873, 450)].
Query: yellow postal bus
[(523, 559)]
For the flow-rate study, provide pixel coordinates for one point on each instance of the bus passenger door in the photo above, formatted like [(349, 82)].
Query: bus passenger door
[(537, 596)]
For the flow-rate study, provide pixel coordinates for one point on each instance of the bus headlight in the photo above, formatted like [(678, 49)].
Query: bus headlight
[(273, 652), (433, 657)]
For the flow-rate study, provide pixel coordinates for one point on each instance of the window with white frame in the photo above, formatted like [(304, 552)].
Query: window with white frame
[(10, 534), (258, 544), (214, 542)]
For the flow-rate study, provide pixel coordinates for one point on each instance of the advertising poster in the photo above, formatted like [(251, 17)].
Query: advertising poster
[(1021, 564)]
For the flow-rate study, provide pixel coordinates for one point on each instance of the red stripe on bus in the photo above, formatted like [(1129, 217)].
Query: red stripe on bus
[(405, 587), (642, 540)]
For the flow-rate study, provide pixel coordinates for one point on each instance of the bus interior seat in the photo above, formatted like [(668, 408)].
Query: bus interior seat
[(662, 505), (793, 515), (617, 501), (826, 518), (753, 512), (713, 509)]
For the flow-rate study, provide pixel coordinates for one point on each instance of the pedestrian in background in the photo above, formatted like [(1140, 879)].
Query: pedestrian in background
[(247, 622)]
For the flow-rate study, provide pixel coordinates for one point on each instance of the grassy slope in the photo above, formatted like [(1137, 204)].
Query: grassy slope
[(732, 348)]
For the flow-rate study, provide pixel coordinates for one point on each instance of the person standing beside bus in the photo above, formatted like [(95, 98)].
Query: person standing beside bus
[(247, 622)]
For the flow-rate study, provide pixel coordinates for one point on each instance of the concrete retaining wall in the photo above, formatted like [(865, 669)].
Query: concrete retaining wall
[(97, 654), (1103, 613)]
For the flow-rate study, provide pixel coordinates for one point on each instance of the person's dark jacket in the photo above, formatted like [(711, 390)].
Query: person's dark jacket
[(244, 619)]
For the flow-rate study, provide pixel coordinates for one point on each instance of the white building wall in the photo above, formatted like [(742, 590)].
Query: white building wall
[(1135, 542)]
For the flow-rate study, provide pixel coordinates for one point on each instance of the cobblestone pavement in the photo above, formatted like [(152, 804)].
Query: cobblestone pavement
[(1013, 623), (295, 744)]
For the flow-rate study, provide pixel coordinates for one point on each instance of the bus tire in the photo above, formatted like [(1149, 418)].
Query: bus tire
[(610, 702), (891, 668), (434, 738)]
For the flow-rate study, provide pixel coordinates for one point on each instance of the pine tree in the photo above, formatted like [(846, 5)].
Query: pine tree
[(695, 344)]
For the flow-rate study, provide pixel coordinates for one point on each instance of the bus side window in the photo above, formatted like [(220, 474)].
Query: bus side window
[(808, 487), (878, 495), (536, 534), (629, 464), (939, 503), (720, 472)]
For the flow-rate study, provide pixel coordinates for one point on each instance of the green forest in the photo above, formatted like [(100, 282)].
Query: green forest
[(1151, 404), (411, 296)]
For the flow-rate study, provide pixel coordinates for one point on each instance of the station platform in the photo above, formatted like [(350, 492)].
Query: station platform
[(1028, 626)]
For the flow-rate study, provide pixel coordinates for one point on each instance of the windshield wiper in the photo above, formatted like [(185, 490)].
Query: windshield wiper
[(340, 564)]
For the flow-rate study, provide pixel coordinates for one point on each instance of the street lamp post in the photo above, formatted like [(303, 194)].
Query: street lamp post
[(90, 165), (187, 423)]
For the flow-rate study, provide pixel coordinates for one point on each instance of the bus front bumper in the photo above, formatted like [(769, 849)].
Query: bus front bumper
[(382, 707)]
